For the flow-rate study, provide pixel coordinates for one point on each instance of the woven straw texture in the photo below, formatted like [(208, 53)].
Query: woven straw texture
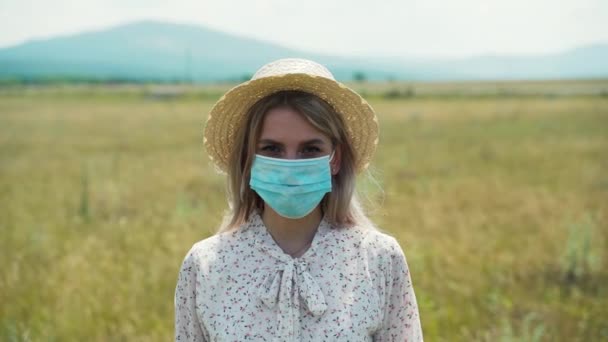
[(291, 74)]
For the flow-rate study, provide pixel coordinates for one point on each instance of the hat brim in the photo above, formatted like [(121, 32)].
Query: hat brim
[(228, 114)]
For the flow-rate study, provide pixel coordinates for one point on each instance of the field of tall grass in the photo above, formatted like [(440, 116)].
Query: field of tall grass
[(497, 193)]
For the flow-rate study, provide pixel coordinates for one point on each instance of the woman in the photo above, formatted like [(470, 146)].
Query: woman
[(296, 259)]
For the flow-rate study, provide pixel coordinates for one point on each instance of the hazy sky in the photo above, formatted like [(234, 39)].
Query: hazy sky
[(439, 28)]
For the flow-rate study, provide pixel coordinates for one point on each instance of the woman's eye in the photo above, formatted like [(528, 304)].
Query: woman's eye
[(272, 149), (309, 150)]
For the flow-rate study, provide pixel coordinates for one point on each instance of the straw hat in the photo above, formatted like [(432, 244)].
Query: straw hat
[(229, 112)]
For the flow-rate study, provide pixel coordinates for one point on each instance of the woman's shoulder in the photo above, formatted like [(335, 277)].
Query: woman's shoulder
[(381, 244), (383, 252), (215, 248), (370, 239), (205, 245)]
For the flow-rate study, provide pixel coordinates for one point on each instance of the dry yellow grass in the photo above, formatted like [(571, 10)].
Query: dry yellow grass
[(500, 202)]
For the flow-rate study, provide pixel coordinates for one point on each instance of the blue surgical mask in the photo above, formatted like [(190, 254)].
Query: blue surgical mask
[(292, 187)]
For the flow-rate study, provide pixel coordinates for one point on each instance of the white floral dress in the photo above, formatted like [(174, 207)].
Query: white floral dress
[(352, 284)]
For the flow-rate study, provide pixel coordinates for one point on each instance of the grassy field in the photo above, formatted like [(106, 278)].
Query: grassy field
[(498, 194)]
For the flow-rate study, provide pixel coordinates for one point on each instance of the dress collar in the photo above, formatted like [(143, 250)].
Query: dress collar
[(265, 242)]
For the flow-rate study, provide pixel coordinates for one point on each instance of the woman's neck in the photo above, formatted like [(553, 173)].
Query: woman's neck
[(294, 236)]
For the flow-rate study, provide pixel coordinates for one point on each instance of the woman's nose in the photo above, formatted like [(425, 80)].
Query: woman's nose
[(293, 154)]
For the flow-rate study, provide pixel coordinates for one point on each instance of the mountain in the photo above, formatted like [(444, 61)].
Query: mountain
[(144, 50), (152, 50), (583, 62)]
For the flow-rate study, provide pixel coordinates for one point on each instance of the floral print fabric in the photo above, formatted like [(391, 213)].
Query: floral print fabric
[(352, 284)]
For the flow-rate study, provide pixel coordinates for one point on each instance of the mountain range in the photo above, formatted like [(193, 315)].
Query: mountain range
[(158, 51)]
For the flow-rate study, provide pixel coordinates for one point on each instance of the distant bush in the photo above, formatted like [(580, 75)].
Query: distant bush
[(396, 93), (359, 76)]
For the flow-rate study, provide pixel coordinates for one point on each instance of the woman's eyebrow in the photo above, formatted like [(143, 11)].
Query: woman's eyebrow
[(269, 141), (313, 142)]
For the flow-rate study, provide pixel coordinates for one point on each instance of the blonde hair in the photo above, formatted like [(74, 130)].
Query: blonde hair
[(340, 206)]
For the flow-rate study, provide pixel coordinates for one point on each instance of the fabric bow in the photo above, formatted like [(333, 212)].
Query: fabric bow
[(286, 287)]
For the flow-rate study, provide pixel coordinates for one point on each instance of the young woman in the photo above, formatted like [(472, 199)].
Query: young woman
[(296, 259)]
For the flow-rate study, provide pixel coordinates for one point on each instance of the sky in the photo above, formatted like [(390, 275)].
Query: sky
[(391, 28)]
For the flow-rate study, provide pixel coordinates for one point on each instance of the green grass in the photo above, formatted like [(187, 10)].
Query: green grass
[(500, 202)]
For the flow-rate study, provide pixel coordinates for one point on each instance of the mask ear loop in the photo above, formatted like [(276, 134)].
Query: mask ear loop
[(245, 186), (331, 157)]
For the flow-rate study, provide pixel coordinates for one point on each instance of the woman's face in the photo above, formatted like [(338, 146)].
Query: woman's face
[(286, 134)]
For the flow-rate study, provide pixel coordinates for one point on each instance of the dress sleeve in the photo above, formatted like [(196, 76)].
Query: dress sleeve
[(187, 325), (401, 319)]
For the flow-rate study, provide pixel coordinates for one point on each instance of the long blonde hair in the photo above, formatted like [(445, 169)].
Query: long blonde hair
[(340, 207)]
